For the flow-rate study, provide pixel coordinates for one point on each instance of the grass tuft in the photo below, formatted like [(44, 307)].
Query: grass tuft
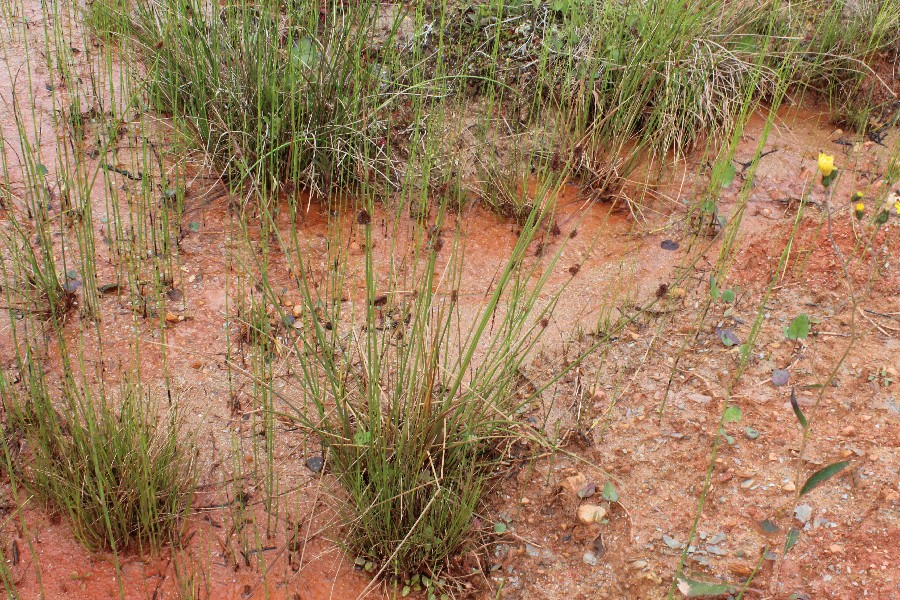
[(124, 478)]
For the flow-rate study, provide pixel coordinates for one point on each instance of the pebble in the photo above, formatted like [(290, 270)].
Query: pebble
[(590, 558), (803, 512), (848, 431), (717, 539), (591, 513), (315, 464), (789, 486), (716, 550), (639, 564), (835, 548), (748, 483), (740, 570), (574, 483), (671, 542), (173, 318)]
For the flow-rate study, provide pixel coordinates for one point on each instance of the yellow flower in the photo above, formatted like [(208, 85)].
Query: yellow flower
[(897, 206), (860, 207), (826, 164)]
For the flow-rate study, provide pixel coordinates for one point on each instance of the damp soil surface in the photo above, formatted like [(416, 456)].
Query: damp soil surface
[(641, 412)]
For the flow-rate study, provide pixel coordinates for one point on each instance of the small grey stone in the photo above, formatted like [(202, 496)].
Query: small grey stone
[(716, 550), (532, 550), (780, 377), (639, 564), (748, 483), (315, 464), (803, 512), (671, 542), (717, 539), (590, 558)]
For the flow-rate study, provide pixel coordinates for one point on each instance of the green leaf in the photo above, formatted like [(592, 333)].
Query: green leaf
[(499, 527), (405, 591), (822, 475), (362, 437), (42, 170), (728, 174), (732, 414), (799, 328), (708, 206), (700, 589), (194, 226), (305, 52), (713, 287), (792, 537), (797, 411), (610, 493), (728, 296)]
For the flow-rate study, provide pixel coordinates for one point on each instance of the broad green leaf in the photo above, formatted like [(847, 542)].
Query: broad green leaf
[(305, 52), (728, 296), (732, 414), (700, 589), (800, 416), (799, 328), (792, 537), (610, 493), (362, 437), (499, 527), (822, 475), (42, 170), (194, 226), (728, 173)]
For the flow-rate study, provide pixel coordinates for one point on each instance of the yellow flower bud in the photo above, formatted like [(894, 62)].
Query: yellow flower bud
[(826, 164), (860, 207)]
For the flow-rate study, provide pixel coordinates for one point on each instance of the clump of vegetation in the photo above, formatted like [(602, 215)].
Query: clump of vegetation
[(415, 404), (837, 55), (123, 478), (275, 91)]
